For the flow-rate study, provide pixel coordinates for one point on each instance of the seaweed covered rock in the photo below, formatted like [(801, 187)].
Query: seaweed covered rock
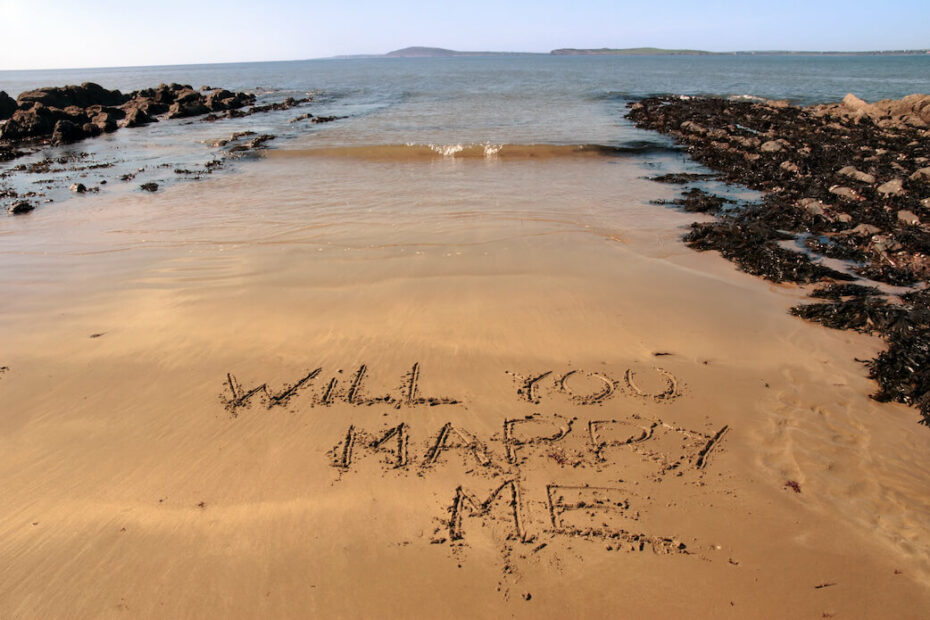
[(850, 179), (856, 172)]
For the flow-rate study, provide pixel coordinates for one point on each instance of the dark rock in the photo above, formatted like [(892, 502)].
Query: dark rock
[(184, 109), (78, 188), (20, 206), (66, 132), (7, 106), (91, 130), (34, 122), (682, 177), (136, 117), (149, 187), (87, 94), (106, 121)]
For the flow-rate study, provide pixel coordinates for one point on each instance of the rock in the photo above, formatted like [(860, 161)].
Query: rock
[(789, 166), (78, 188), (747, 142), (854, 103), (66, 132), (90, 130), (812, 206), (7, 106), (147, 105), (20, 206), (34, 122), (149, 187), (692, 127), (925, 203), (844, 218), (865, 230), (87, 94), (908, 218), (136, 117), (894, 187), (192, 107), (771, 147), (220, 100), (921, 175), (885, 244), (853, 173), (845, 192), (111, 112)]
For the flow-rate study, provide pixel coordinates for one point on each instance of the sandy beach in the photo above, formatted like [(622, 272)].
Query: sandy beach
[(507, 391)]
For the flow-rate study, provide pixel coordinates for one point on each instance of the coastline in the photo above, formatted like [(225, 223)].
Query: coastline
[(304, 387)]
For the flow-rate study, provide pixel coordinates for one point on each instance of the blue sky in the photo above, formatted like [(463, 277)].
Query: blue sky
[(93, 33)]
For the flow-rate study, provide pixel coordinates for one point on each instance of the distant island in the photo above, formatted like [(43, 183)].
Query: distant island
[(439, 52), (656, 51), (631, 51)]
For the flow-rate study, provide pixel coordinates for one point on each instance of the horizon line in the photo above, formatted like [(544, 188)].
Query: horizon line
[(385, 56)]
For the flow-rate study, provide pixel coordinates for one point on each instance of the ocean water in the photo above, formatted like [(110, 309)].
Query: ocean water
[(454, 107), (520, 99)]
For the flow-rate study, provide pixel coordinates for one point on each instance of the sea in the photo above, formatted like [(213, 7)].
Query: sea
[(459, 106)]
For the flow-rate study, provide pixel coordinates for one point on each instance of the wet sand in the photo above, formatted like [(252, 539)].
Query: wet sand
[(422, 470)]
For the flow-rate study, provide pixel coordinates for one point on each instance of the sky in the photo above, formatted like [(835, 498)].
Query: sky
[(43, 34)]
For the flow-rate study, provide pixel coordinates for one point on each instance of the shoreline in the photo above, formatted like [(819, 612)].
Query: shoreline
[(302, 388), (852, 181)]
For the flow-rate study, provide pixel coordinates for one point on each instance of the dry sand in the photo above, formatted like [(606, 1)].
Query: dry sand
[(137, 482)]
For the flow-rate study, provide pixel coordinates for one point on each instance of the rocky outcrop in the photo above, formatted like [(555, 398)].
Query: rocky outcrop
[(853, 185), (63, 114), (909, 111), (85, 95)]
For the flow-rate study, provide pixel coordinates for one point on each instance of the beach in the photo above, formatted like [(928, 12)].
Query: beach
[(356, 376)]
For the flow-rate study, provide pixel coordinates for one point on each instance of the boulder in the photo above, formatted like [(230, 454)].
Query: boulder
[(853, 173), (193, 107), (789, 166), (845, 192), (136, 117), (187, 95), (87, 94), (78, 188), (149, 187), (854, 103), (147, 105), (111, 112), (921, 175), (91, 130), (771, 147), (105, 121), (33, 122), (894, 187), (66, 132), (20, 206), (865, 230), (812, 206), (908, 218), (692, 127), (7, 106), (221, 100)]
